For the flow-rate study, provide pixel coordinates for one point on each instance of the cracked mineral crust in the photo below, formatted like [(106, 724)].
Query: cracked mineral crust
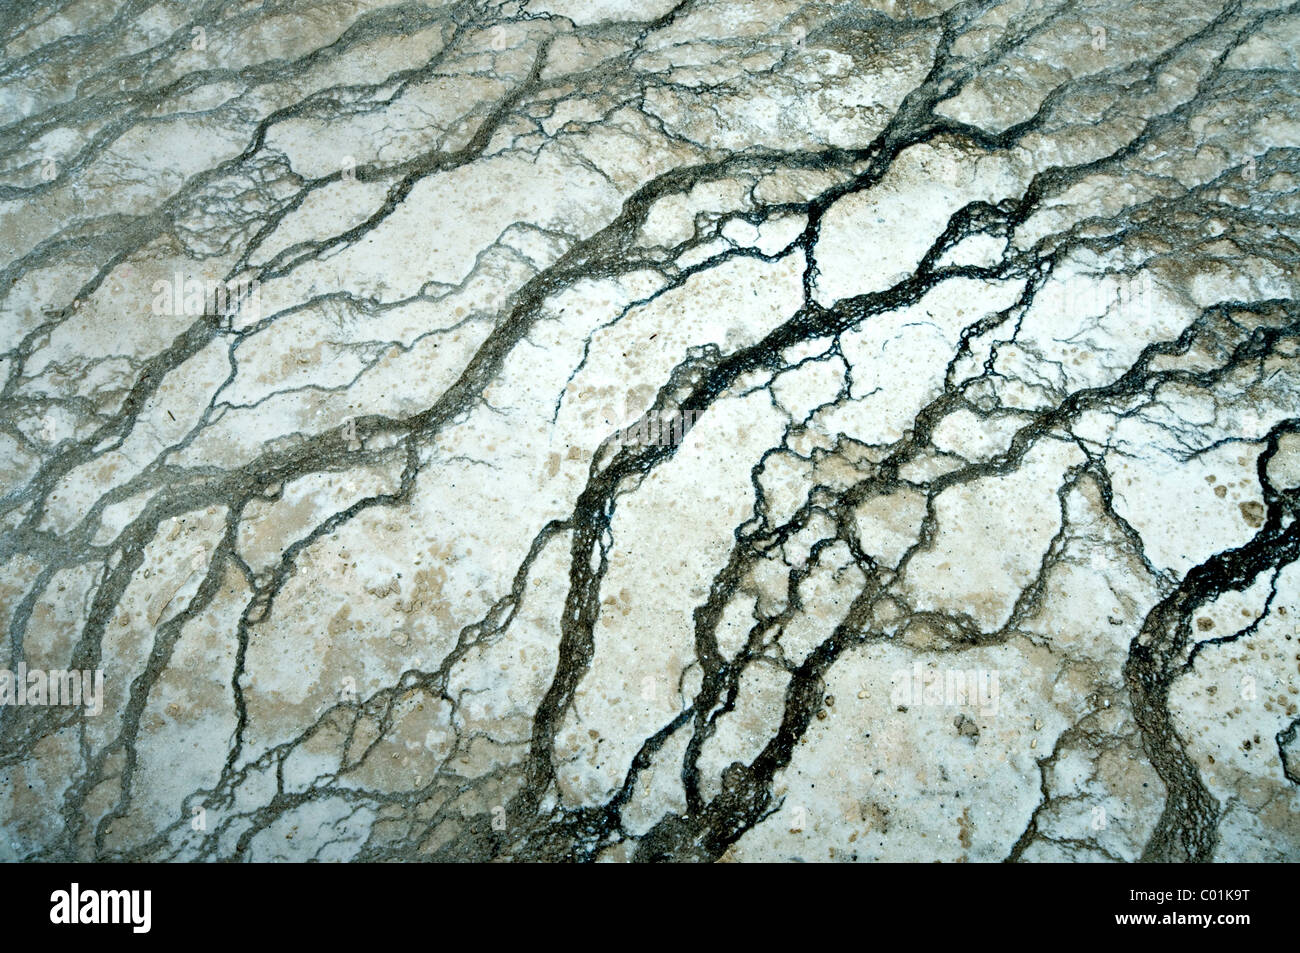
[(619, 431)]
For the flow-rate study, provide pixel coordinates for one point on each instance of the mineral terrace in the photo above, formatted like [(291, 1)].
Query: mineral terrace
[(603, 430)]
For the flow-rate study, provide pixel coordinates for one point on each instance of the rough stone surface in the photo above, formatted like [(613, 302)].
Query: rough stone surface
[(609, 431)]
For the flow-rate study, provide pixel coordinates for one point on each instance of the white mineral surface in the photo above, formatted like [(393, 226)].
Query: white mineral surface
[(614, 431)]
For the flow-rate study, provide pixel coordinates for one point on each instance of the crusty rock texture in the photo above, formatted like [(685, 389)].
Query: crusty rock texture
[(620, 431)]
